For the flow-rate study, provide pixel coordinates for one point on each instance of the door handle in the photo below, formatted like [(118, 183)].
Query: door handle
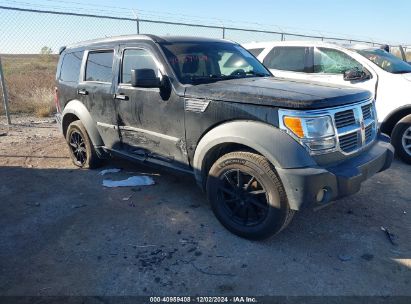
[(82, 92), (120, 96)]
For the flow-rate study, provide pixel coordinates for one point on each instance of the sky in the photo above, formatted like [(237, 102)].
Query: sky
[(377, 20)]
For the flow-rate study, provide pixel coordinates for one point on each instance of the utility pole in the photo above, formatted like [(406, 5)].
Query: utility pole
[(4, 93), (137, 21)]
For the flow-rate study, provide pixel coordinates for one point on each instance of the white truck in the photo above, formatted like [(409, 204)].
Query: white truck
[(370, 68)]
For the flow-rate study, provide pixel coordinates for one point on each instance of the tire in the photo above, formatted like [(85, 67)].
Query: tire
[(401, 140), (82, 151), (261, 194)]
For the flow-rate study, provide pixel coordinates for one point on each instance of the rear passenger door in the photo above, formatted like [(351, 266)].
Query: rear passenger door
[(288, 61), (150, 120), (96, 92)]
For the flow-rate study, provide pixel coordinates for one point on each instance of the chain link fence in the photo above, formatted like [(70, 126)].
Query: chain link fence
[(27, 31), (30, 40)]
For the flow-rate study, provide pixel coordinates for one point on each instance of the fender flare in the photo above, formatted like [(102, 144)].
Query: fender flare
[(78, 109), (394, 117), (405, 119), (277, 146)]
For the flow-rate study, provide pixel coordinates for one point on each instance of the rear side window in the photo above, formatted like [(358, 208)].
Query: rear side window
[(286, 58), (134, 59), (70, 68), (332, 61), (99, 66), (256, 52)]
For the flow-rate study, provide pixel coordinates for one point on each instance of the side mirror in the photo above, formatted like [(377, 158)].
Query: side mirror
[(355, 74), (144, 78)]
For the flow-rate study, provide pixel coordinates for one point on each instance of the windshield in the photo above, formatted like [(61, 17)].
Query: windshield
[(386, 61), (204, 62)]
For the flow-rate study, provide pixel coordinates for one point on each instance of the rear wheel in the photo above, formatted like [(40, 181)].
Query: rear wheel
[(401, 139), (247, 195), (82, 151)]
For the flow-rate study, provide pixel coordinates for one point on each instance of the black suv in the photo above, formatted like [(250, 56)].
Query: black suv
[(261, 147)]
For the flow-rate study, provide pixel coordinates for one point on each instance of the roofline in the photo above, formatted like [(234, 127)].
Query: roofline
[(126, 38), (308, 43), (113, 39)]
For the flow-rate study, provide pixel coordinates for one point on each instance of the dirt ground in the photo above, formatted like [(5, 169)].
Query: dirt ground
[(63, 233)]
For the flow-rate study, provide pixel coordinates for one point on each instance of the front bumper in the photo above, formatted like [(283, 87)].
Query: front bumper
[(303, 184)]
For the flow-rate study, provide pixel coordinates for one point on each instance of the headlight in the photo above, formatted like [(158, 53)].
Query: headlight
[(315, 132)]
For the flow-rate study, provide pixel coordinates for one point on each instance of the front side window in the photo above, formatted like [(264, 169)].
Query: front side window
[(70, 69), (99, 66), (332, 61), (203, 62), (288, 58), (388, 62), (134, 59)]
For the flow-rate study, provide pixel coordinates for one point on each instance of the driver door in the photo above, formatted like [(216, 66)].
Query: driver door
[(150, 120)]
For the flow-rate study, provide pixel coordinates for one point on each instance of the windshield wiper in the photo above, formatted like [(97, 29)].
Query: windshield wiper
[(218, 77), (203, 79), (257, 74), (211, 78), (402, 72)]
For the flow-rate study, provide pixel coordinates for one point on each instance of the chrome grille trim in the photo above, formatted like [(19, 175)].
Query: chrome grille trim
[(348, 142), (363, 128), (367, 111), (344, 118)]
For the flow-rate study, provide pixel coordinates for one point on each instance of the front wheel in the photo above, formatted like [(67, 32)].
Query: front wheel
[(401, 140), (247, 195), (82, 151)]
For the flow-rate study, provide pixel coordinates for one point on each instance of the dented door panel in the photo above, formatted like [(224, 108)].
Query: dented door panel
[(151, 120)]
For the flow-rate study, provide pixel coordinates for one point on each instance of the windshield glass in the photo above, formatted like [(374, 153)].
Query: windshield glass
[(204, 62), (386, 61)]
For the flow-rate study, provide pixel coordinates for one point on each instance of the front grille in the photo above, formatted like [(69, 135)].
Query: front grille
[(366, 111), (356, 127), (349, 142), (368, 134), (344, 118)]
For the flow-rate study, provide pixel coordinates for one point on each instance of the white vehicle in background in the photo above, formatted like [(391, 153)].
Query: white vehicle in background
[(386, 76)]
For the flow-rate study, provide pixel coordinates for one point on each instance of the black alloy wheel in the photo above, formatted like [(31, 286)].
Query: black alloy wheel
[(244, 198), (247, 195), (78, 148)]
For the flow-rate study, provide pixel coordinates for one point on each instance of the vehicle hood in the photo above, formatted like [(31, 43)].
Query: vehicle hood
[(284, 93)]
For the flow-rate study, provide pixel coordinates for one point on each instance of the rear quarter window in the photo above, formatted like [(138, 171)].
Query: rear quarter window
[(99, 66), (70, 68)]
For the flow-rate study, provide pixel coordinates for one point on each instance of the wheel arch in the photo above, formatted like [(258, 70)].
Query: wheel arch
[(279, 148), (388, 125), (76, 110)]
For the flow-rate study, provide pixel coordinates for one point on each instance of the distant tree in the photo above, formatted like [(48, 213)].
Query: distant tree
[(45, 50)]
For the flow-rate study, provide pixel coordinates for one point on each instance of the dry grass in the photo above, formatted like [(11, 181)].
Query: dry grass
[(30, 83)]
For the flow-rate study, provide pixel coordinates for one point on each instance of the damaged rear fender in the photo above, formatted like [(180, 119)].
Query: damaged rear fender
[(77, 108)]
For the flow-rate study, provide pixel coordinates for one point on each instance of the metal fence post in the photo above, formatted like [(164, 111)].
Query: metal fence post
[(282, 37), (223, 32), (138, 26), (5, 96)]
